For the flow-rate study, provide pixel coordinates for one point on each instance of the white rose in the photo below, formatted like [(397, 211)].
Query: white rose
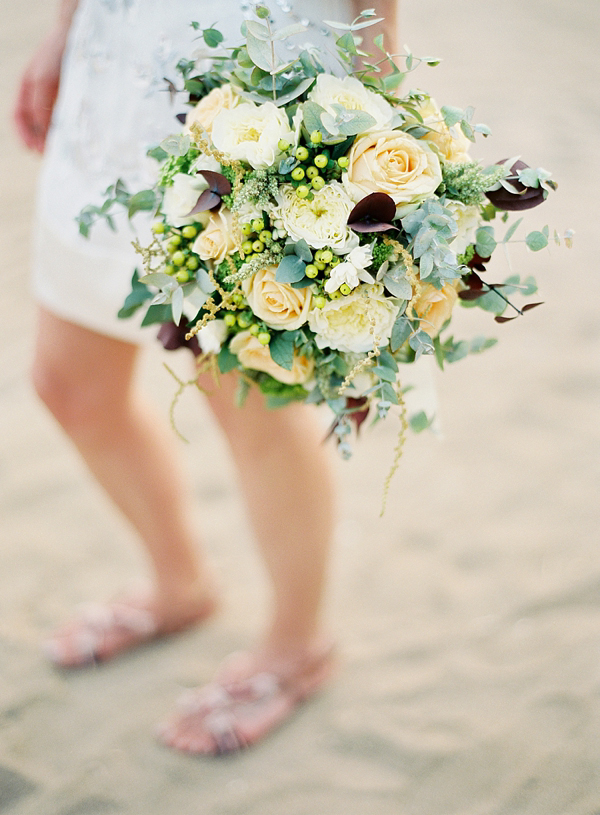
[(467, 220), (212, 336), (221, 98), (352, 94), (352, 323), (181, 197), (451, 142), (251, 133), (322, 221)]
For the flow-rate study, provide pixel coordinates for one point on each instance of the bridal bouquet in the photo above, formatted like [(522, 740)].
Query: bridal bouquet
[(316, 228)]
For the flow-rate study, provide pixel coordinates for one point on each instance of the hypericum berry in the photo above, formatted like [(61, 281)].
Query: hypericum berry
[(263, 337), (266, 236), (258, 247), (335, 260), (258, 225), (192, 263), (182, 276), (311, 270), (320, 301), (302, 191), (320, 265), (335, 295), (318, 183), (343, 162), (326, 256), (170, 269), (345, 288), (254, 329), (301, 153), (262, 12), (247, 247), (230, 319), (237, 297), (173, 243), (283, 145), (246, 230), (244, 320), (316, 137), (321, 161), (158, 227), (178, 258), (297, 173), (189, 232), (311, 172)]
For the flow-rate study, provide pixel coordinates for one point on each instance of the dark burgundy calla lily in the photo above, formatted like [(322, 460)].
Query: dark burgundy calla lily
[(525, 198), (172, 337), (210, 199), (373, 213)]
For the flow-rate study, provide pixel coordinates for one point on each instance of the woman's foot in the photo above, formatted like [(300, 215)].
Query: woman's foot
[(102, 631), (253, 694)]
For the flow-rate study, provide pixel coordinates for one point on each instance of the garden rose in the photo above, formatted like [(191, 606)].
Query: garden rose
[(181, 197), (468, 219), (353, 322), (278, 304), (216, 239), (252, 354), (222, 98), (395, 163), (251, 133), (434, 307), (212, 336), (353, 95), (452, 144), (322, 221)]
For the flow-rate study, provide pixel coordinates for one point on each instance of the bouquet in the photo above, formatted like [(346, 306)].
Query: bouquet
[(316, 228)]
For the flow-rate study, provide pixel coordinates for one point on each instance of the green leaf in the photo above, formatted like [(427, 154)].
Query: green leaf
[(421, 343), (400, 332), (479, 344), (259, 52), (298, 89), (536, 241), (511, 231), (290, 270), (311, 116), (397, 286), (258, 30), (138, 295), (141, 201), (452, 116), (176, 145), (388, 393), (529, 286), (384, 373), (355, 123), (302, 250), (158, 314), (212, 37), (157, 153), (226, 360), (419, 422), (346, 43), (282, 349), (484, 241), (387, 360), (289, 31)]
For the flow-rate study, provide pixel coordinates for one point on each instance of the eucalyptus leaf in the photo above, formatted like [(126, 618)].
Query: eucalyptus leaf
[(299, 89), (177, 304), (383, 373), (176, 145), (158, 279), (258, 30), (421, 343), (226, 360), (485, 242), (302, 250), (259, 52), (401, 331), (536, 241), (289, 31), (452, 116), (157, 314), (511, 230), (398, 287), (282, 349), (141, 201), (212, 37), (290, 270)]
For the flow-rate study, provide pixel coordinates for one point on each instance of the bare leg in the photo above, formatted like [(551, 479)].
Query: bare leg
[(85, 380), (284, 473)]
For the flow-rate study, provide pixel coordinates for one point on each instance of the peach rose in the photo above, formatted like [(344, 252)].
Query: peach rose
[(434, 306), (278, 304), (393, 162), (452, 144), (252, 354), (216, 239), (222, 98)]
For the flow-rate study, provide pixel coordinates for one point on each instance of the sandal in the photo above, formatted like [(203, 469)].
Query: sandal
[(228, 716)]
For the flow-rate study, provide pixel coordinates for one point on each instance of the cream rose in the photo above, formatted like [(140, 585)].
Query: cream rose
[(278, 304), (181, 197), (216, 239), (352, 323), (395, 163), (252, 354), (353, 95), (452, 144), (212, 336), (222, 98), (434, 307), (322, 221), (468, 219), (251, 133)]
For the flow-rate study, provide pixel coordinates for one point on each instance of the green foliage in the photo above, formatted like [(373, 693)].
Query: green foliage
[(226, 360), (381, 252), (450, 350), (536, 241), (117, 193), (469, 182), (138, 295), (430, 228), (419, 422), (158, 314), (282, 349)]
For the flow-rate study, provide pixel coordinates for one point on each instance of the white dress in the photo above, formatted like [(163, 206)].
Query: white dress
[(113, 105)]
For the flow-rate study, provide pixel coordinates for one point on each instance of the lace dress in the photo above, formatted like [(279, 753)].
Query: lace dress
[(113, 105)]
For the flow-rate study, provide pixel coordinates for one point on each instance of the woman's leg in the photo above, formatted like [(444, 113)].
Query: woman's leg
[(284, 473), (85, 379)]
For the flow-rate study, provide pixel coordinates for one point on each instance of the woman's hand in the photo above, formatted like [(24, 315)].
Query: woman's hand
[(39, 89)]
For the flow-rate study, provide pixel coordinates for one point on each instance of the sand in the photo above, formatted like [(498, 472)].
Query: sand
[(468, 618)]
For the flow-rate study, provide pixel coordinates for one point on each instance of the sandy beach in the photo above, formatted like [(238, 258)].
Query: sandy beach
[(468, 617)]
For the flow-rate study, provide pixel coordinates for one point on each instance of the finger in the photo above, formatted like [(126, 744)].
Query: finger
[(43, 104), (23, 115)]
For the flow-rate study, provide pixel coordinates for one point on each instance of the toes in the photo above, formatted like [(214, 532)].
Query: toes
[(188, 735)]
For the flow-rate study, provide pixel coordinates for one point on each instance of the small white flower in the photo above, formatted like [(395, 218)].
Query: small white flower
[(251, 133), (352, 270), (212, 336)]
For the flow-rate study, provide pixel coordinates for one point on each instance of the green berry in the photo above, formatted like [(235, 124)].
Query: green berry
[(244, 320), (158, 227), (312, 172), (263, 337), (318, 183), (320, 301), (301, 153), (182, 276), (246, 230), (258, 225), (321, 161), (262, 12), (189, 232), (258, 247), (192, 263), (170, 269), (175, 240), (326, 256), (247, 247), (302, 191), (283, 145), (266, 236), (335, 260), (297, 173), (343, 162), (178, 258), (311, 270), (316, 137), (230, 320), (335, 295), (254, 329), (345, 288), (237, 297), (320, 265)]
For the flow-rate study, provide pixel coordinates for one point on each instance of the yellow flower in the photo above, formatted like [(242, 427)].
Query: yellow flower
[(216, 239), (452, 144), (253, 355), (222, 98), (278, 304), (434, 306), (395, 163)]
